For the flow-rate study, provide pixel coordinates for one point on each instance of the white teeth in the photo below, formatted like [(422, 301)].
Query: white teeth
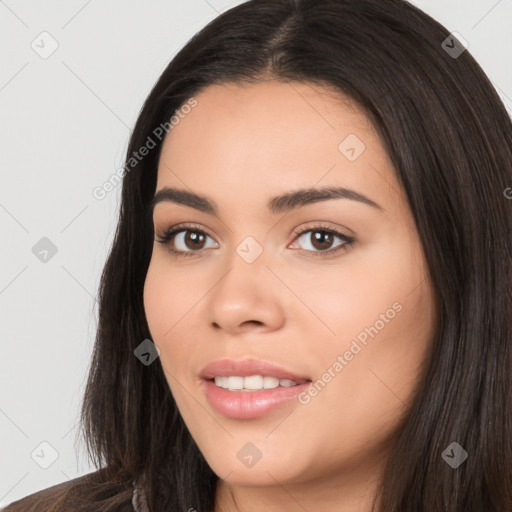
[(252, 383), (235, 383), (270, 382), (221, 382)]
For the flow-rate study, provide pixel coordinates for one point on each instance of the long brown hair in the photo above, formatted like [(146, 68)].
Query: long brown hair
[(450, 139)]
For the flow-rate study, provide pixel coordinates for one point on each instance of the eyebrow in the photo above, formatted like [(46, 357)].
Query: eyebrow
[(279, 204)]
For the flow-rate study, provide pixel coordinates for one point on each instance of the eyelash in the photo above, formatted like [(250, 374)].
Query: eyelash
[(166, 237)]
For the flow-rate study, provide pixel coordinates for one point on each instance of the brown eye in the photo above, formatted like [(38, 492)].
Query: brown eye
[(194, 239), (321, 241), (185, 241)]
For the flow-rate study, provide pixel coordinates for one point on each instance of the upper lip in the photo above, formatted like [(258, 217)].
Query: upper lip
[(246, 367)]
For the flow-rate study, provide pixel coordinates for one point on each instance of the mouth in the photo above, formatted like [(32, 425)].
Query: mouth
[(252, 368), (250, 389)]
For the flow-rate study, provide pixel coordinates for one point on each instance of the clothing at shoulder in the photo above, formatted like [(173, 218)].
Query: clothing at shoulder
[(41, 501), (41, 497)]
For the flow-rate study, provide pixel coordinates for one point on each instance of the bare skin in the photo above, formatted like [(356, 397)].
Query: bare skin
[(296, 305)]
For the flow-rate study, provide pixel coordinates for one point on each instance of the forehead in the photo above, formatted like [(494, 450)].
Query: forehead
[(269, 112), (260, 138)]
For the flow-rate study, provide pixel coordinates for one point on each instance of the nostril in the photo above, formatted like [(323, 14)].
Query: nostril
[(255, 322)]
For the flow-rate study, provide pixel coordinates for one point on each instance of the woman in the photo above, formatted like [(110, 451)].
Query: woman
[(242, 363)]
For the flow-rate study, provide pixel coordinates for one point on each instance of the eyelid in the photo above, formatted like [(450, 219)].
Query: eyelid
[(185, 226), (321, 226)]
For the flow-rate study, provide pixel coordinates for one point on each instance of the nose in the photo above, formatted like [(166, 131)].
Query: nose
[(247, 297)]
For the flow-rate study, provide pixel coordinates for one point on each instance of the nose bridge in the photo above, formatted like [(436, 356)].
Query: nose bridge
[(250, 250), (246, 293), (247, 269)]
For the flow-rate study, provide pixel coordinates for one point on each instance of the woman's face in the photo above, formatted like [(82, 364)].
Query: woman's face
[(278, 281)]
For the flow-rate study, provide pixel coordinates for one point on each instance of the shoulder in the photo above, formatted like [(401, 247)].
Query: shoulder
[(50, 494), (56, 498)]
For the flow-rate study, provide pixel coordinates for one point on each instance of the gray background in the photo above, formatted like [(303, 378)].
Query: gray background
[(64, 126)]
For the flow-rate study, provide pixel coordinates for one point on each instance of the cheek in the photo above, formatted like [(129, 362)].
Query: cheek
[(381, 315), (171, 299), (352, 295), (366, 393), (155, 300), (162, 305), (166, 292)]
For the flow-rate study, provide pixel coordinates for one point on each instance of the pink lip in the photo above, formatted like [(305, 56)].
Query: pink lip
[(249, 404), (246, 367), (246, 405)]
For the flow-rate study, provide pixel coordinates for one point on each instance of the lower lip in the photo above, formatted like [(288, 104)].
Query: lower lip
[(246, 405)]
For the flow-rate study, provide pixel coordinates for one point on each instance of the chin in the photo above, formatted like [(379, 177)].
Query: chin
[(256, 473)]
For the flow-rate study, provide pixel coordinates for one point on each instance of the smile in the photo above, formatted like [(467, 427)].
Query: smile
[(253, 382)]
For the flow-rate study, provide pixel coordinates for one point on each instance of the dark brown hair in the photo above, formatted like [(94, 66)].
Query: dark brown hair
[(449, 138)]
